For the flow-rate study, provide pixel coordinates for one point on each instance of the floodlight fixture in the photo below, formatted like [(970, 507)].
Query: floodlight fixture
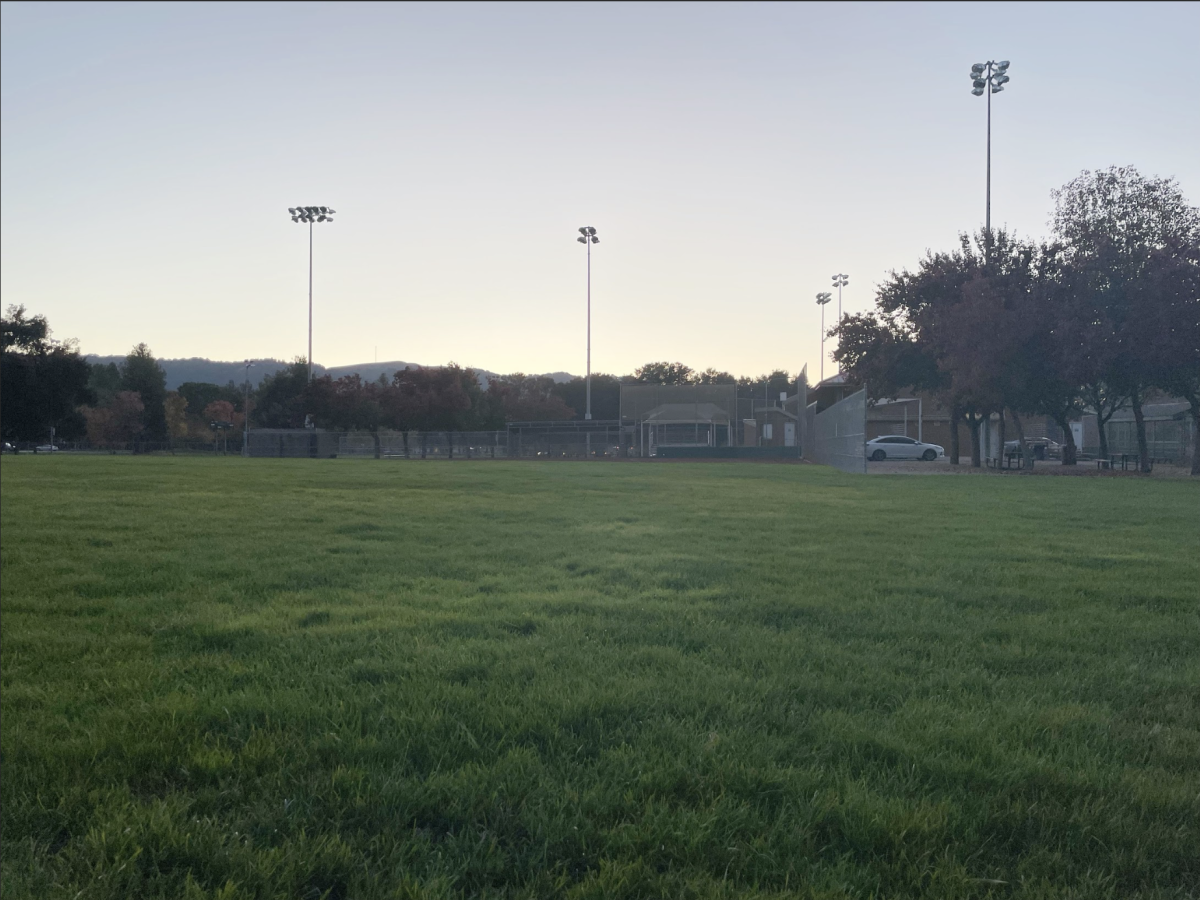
[(310, 215), (587, 235)]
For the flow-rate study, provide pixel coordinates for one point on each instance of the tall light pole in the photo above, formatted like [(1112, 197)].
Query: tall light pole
[(587, 235), (840, 281), (823, 298), (309, 215), (990, 78), (246, 411)]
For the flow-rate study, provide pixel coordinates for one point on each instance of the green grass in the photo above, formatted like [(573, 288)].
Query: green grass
[(303, 679)]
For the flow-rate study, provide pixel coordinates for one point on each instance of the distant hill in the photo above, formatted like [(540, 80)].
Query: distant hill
[(214, 371), (208, 371)]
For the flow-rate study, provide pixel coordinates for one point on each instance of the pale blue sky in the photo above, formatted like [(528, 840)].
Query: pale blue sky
[(732, 158)]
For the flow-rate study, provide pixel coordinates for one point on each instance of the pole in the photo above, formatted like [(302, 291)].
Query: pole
[(987, 226), (310, 367), (822, 342), (246, 416), (919, 419), (839, 368), (588, 415)]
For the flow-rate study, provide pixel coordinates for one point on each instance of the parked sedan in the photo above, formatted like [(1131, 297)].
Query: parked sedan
[(1041, 448), (897, 446)]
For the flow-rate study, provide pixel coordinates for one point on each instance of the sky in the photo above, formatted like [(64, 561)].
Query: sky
[(732, 157)]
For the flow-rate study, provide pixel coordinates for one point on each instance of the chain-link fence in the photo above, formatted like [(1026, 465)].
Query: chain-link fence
[(231, 447), (520, 440), (839, 434)]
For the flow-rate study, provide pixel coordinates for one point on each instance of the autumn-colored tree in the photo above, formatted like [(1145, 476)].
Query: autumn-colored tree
[(118, 422), (175, 409), (219, 411)]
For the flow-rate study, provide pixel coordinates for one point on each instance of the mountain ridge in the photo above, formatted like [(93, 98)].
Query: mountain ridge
[(214, 371)]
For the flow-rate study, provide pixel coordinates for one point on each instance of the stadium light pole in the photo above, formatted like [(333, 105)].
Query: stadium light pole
[(587, 235), (246, 411), (990, 78), (309, 215), (840, 281), (823, 298)]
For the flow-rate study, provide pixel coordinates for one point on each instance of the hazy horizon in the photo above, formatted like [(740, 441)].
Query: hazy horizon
[(732, 158)]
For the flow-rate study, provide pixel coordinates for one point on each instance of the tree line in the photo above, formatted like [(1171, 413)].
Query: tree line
[(1104, 315), (48, 384)]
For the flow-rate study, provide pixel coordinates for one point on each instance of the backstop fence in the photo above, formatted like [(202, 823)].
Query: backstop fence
[(837, 436)]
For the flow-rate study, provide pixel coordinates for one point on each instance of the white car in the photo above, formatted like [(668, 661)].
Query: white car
[(897, 446)]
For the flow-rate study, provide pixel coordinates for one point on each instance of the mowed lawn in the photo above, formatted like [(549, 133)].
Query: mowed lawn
[(356, 679)]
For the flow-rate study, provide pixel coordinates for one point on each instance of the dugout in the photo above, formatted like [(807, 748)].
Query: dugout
[(679, 415)]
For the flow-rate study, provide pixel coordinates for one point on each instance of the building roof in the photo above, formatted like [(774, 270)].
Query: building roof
[(838, 379), (764, 410), (686, 414), (1169, 409)]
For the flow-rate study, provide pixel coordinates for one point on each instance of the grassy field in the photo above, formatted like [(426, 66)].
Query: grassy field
[(333, 679)]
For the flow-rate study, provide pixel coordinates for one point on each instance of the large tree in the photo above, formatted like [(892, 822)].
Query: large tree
[(1172, 329), (281, 397), (977, 332), (919, 335), (44, 381), (606, 395), (141, 374), (528, 398), (663, 373), (766, 387), (1117, 227)]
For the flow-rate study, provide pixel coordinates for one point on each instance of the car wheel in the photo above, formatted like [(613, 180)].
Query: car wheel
[(929, 455), (878, 455)]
